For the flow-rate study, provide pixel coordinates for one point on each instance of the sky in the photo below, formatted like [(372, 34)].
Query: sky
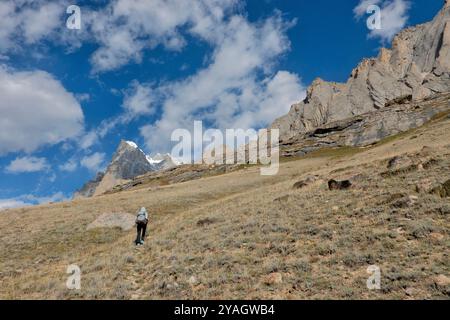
[(139, 69)]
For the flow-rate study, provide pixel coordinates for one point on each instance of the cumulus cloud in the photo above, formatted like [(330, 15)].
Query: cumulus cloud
[(139, 100), (124, 28), (69, 166), (93, 162), (238, 89), (27, 164), (29, 200), (28, 22), (36, 110), (394, 17), (88, 139)]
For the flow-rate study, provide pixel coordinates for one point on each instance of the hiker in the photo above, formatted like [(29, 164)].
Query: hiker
[(141, 225)]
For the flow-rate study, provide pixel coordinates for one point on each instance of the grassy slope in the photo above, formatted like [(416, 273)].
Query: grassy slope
[(320, 241)]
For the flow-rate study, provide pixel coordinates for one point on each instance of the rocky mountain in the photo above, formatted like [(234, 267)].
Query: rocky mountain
[(383, 96), (128, 162), (89, 188)]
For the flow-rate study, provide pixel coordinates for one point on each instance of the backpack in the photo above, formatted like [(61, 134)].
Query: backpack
[(141, 218)]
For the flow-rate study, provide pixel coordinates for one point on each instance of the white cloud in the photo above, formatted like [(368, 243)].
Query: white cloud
[(56, 197), (70, 166), (394, 17), (27, 164), (29, 200), (93, 162), (12, 203), (125, 28), (36, 110), (28, 21), (82, 97), (361, 9), (139, 100), (39, 20), (88, 139), (230, 92), (238, 87)]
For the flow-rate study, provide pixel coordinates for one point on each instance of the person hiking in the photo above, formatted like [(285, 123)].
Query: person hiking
[(141, 226)]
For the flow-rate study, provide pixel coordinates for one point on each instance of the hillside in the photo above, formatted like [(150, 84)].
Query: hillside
[(243, 235)]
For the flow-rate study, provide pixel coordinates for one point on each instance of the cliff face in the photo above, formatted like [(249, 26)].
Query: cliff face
[(416, 68)]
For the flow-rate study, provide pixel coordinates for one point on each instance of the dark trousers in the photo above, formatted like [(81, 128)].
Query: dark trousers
[(141, 227)]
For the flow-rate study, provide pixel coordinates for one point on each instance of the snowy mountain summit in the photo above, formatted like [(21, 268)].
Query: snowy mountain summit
[(128, 162)]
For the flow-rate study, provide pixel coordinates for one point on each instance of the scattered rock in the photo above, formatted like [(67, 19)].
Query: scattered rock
[(335, 208), (193, 280), (399, 162), (445, 209), (426, 151), (405, 202), (436, 236), (282, 199), (360, 177), (205, 222), (443, 190), (442, 280), (424, 186), (339, 185), (429, 163), (305, 182), (410, 292), (273, 278), (123, 221)]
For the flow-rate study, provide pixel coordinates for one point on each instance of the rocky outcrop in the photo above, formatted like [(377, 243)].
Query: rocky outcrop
[(367, 129), (416, 68), (162, 162), (127, 163), (89, 188)]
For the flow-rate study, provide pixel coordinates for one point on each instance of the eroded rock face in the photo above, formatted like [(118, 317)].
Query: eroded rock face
[(128, 162), (89, 188), (417, 67)]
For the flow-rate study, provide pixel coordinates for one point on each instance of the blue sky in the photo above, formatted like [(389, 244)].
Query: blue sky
[(139, 69)]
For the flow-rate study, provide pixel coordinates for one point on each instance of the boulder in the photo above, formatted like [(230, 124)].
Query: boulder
[(399, 162), (305, 182), (339, 185), (123, 221)]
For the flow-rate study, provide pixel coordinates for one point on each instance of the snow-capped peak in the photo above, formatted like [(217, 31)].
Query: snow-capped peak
[(132, 144), (158, 159), (153, 161)]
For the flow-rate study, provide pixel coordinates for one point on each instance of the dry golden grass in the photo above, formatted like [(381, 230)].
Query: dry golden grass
[(231, 231)]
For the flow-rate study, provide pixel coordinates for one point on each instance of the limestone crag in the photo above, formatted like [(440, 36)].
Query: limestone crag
[(417, 67)]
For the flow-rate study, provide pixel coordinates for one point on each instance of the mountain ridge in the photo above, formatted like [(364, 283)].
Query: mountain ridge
[(416, 68)]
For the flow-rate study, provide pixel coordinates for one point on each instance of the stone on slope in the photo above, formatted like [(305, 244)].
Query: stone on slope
[(123, 221)]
